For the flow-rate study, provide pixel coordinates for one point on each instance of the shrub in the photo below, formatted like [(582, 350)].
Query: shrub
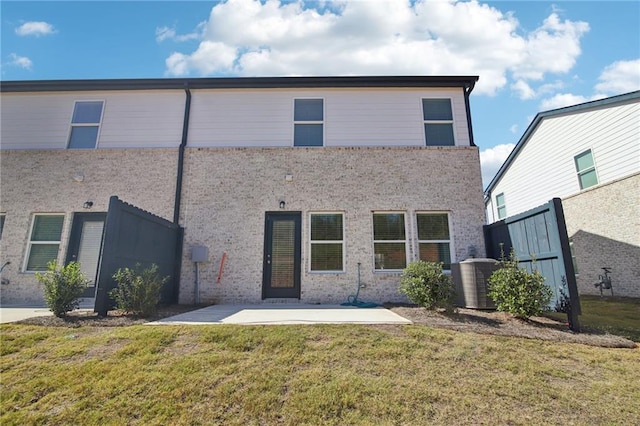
[(517, 291), (63, 287), (425, 284), (138, 292)]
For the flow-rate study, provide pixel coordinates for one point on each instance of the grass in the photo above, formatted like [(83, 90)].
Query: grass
[(614, 315), (315, 374)]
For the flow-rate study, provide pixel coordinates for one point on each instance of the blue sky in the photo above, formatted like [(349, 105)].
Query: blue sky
[(531, 56)]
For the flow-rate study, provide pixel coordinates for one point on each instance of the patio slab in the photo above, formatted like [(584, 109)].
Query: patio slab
[(285, 314)]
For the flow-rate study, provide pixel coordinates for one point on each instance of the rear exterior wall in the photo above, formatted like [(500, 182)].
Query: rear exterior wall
[(227, 192), (61, 181), (604, 224)]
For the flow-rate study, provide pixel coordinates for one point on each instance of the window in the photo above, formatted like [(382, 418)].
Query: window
[(438, 122), (2, 216), (572, 248), (85, 124), (586, 170), (327, 242), (434, 239), (46, 231), (501, 206), (308, 117), (389, 241)]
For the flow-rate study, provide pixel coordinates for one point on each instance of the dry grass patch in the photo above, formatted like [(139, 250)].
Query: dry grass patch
[(316, 374)]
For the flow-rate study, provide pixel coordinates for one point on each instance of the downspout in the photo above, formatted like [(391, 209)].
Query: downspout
[(467, 91), (183, 144)]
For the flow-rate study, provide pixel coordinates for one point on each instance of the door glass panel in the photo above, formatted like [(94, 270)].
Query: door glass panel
[(282, 254), (89, 251)]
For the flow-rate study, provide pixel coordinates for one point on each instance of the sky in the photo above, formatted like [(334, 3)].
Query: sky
[(531, 56)]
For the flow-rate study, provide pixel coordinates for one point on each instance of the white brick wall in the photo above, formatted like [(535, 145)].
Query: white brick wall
[(604, 224), (42, 182), (227, 192)]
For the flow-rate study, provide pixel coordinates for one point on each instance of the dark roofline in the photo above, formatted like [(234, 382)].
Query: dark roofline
[(554, 113), (466, 82)]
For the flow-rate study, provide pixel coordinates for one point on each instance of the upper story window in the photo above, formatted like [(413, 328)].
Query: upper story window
[(85, 124), (586, 169), (327, 242), (308, 118), (389, 241), (44, 241), (501, 206), (434, 238), (438, 122)]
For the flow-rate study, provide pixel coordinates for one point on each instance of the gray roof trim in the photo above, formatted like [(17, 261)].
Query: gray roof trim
[(466, 82), (553, 113)]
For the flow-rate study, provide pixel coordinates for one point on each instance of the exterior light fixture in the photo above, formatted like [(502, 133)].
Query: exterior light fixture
[(282, 204), (87, 204)]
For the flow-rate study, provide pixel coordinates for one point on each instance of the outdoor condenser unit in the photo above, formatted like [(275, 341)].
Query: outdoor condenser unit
[(471, 278)]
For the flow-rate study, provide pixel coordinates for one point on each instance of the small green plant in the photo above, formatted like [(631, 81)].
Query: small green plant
[(425, 284), (63, 287), (138, 291), (517, 291)]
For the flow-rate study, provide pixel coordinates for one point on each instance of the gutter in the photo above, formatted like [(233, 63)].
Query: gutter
[(467, 91), (183, 144)]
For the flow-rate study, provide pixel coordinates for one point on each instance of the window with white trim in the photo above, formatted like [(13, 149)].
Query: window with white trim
[(44, 241), (389, 241), (586, 169), (308, 122), (501, 206), (434, 238), (327, 242), (85, 124), (438, 122)]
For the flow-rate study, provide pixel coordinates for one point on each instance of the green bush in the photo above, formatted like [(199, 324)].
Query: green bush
[(138, 292), (425, 284), (517, 291), (63, 287)]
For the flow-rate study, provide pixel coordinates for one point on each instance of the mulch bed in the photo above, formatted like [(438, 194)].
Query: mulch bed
[(463, 320)]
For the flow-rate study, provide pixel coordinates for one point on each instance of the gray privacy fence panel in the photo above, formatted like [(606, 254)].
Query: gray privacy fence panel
[(539, 239), (134, 236)]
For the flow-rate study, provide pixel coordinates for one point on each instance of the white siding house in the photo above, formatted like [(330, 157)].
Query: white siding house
[(589, 156), (356, 170)]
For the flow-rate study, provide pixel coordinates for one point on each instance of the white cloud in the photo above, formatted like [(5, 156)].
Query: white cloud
[(620, 77), (169, 33), (35, 28), (491, 159), (552, 48), (20, 61), (523, 90), (567, 99), (513, 129), (377, 38)]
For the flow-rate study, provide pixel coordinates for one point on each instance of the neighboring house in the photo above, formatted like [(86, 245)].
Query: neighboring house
[(295, 181), (589, 156)]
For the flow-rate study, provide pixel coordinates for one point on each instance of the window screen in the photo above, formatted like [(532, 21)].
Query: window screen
[(586, 169), (308, 117), (85, 124), (434, 238), (389, 241), (438, 122), (44, 242), (327, 242)]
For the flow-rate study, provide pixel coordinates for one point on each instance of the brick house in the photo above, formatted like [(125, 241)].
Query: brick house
[(294, 180), (589, 156)]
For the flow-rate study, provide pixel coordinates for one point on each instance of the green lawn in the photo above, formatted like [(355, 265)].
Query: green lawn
[(314, 374), (615, 315)]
